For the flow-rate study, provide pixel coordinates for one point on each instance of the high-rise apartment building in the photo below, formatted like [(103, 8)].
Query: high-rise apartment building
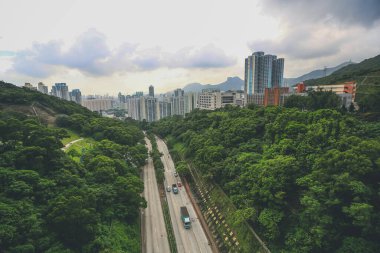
[(164, 108), (262, 71), (151, 91), (133, 107), (178, 103), (151, 108), (76, 96), (42, 88), (190, 101), (60, 90), (278, 73), (141, 102)]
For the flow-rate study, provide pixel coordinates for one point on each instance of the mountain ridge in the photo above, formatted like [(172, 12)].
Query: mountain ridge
[(232, 83), (353, 72), (318, 73), (236, 83)]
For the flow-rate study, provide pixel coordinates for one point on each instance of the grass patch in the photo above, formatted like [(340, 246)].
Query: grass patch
[(73, 136), (85, 144), (79, 148)]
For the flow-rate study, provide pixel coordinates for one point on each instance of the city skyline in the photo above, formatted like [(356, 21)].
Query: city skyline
[(123, 46)]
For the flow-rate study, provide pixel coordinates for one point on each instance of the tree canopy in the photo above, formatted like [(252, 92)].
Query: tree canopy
[(51, 203), (307, 181)]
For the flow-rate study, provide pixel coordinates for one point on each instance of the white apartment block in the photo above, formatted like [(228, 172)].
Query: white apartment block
[(98, 104), (210, 100)]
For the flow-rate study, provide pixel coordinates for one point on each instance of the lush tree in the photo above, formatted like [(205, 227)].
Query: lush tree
[(306, 179), (50, 203)]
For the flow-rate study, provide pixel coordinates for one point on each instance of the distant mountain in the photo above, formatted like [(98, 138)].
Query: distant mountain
[(316, 74), (232, 83)]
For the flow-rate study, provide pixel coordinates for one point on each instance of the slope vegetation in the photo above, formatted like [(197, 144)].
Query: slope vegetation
[(85, 200), (358, 72)]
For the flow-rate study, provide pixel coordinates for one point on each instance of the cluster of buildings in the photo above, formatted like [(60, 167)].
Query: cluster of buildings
[(179, 102), (264, 80), (346, 91), (60, 90), (263, 85)]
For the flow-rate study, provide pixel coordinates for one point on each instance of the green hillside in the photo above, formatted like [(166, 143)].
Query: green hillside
[(358, 72), (367, 76), (33, 103), (84, 200)]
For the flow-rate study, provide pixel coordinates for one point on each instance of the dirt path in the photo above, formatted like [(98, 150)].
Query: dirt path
[(71, 143)]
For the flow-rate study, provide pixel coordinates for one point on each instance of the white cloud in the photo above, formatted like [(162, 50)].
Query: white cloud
[(321, 33), (91, 55)]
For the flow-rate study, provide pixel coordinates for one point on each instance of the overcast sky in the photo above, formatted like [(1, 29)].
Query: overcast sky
[(121, 45)]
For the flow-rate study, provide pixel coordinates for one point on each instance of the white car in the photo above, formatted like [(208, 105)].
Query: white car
[(168, 189), (175, 174)]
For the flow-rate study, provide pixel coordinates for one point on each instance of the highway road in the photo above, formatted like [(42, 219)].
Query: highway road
[(188, 240), (155, 238)]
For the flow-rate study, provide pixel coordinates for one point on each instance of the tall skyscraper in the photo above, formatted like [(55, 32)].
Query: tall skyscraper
[(178, 103), (262, 71), (191, 101), (278, 73), (151, 91), (151, 108)]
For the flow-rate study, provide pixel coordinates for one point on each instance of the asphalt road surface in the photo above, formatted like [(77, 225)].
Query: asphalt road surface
[(155, 236), (188, 240)]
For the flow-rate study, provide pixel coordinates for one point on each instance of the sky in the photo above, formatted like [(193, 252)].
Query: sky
[(103, 47)]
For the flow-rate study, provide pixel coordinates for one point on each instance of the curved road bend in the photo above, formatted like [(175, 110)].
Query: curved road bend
[(155, 236), (191, 240)]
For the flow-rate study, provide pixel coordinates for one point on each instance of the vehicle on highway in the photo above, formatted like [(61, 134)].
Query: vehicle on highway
[(168, 189), (175, 174), (179, 184), (175, 189), (185, 217)]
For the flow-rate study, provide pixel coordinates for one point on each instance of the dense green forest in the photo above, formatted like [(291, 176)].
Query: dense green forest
[(308, 179), (51, 202)]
